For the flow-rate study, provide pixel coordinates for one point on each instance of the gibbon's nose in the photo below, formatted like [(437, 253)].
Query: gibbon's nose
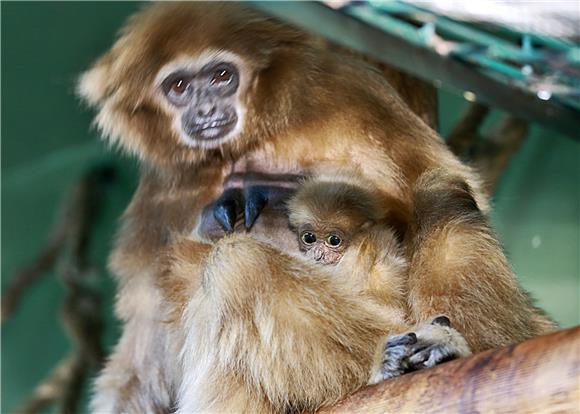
[(318, 254), (206, 110)]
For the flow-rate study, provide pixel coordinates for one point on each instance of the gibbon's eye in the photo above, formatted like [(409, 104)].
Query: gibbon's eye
[(179, 86), (221, 76), (333, 240), (308, 237)]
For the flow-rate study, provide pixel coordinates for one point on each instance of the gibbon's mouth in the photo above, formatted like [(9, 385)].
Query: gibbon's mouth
[(213, 130)]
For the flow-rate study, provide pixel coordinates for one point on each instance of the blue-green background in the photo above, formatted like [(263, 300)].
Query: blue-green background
[(47, 143)]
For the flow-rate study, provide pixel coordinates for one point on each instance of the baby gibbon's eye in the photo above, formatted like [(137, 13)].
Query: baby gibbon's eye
[(221, 76), (308, 237), (333, 240)]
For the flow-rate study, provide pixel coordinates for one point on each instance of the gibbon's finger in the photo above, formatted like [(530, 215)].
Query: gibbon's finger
[(431, 356), (226, 209), (405, 339), (256, 199), (395, 360)]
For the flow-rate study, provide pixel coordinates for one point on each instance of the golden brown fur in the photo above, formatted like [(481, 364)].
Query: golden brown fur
[(275, 331), (344, 205), (371, 259), (340, 199), (253, 329)]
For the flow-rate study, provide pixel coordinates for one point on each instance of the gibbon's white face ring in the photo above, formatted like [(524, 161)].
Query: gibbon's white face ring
[(211, 131)]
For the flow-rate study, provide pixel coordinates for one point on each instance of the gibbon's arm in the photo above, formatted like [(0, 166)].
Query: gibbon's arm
[(458, 269)]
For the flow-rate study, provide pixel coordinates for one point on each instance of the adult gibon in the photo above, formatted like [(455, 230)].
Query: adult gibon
[(229, 111)]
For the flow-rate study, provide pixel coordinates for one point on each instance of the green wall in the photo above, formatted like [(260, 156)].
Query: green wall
[(47, 143)]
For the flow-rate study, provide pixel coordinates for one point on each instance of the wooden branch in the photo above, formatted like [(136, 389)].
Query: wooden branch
[(541, 375), (494, 153), (81, 309), (71, 225), (466, 132), (30, 274), (52, 388), (490, 154)]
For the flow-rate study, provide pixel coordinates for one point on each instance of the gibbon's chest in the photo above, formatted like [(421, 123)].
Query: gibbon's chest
[(256, 187)]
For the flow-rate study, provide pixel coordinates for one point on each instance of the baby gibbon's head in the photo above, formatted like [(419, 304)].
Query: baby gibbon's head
[(328, 216)]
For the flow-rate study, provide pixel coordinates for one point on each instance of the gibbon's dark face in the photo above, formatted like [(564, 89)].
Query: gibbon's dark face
[(191, 82), (204, 101)]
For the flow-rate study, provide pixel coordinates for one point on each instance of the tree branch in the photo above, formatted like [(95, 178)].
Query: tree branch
[(536, 376), (81, 310)]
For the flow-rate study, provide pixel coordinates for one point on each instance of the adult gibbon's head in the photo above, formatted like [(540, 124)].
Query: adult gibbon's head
[(187, 81)]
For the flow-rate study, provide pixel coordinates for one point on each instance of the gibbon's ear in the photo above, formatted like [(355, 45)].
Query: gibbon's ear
[(95, 84)]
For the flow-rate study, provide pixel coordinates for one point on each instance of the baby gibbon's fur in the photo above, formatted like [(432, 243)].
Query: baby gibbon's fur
[(345, 205)]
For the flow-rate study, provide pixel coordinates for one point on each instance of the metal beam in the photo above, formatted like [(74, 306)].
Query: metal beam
[(421, 62)]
